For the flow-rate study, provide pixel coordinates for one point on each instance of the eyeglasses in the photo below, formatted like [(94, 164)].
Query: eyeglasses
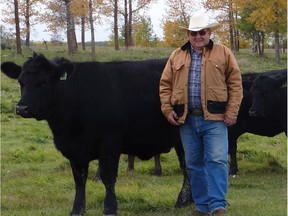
[(201, 33)]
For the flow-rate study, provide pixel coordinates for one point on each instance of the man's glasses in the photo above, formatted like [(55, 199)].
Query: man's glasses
[(201, 33)]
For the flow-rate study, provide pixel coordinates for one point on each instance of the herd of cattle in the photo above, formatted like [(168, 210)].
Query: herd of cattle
[(100, 110)]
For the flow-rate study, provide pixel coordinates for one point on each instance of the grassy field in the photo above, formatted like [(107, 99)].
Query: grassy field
[(37, 180)]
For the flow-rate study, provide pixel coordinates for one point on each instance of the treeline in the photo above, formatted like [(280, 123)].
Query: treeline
[(244, 23)]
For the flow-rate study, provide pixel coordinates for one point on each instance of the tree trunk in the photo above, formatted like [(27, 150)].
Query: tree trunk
[(70, 30), (126, 35), (130, 40), (237, 41), (262, 36), (231, 31), (116, 35), (18, 38), (254, 42), (92, 28), (277, 47), (27, 22), (83, 32), (231, 25)]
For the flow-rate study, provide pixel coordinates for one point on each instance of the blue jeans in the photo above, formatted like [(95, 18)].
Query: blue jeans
[(206, 154)]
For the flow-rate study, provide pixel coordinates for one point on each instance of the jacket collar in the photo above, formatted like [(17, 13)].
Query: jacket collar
[(187, 46)]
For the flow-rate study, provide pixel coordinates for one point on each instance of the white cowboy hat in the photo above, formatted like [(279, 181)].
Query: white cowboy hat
[(199, 22)]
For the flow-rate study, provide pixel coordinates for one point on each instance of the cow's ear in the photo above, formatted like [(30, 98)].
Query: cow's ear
[(65, 68), (11, 69)]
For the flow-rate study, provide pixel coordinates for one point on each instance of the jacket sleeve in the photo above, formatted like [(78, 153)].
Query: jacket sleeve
[(165, 88), (234, 84)]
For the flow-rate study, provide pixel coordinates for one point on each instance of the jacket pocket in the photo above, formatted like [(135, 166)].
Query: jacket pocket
[(217, 99), (216, 107), (177, 67)]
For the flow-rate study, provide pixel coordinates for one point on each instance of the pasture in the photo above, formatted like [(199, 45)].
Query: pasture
[(37, 180)]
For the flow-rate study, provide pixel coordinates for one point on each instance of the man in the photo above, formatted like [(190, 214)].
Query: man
[(201, 92)]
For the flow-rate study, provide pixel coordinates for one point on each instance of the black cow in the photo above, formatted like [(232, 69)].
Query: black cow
[(270, 98), (101, 110), (268, 125)]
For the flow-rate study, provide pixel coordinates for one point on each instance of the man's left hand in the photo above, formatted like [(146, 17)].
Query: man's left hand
[(230, 120)]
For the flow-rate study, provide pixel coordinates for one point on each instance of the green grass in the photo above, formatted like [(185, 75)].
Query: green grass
[(37, 180)]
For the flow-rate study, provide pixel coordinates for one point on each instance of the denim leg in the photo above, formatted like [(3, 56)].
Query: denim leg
[(215, 139), (195, 162), (206, 152)]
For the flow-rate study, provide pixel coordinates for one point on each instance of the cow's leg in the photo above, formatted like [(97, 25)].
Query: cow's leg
[(80, 172), (185, 195), (131, 160), (108, 172), (108, 162), (157, 165), (233, 155)]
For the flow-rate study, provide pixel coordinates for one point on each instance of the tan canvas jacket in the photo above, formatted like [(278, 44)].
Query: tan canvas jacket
[(221, 84)]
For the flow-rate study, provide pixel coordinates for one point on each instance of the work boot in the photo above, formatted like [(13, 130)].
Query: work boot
[(219, 212)]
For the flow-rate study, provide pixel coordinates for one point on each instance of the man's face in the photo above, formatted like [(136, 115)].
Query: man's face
[(199, 39)]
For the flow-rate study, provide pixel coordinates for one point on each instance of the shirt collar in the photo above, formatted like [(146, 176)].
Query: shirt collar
[(187, 46)]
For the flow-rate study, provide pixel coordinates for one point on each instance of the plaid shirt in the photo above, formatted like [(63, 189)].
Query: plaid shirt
[(194, 82)]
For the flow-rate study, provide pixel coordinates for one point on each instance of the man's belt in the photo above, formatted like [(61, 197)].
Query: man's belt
[(196, 112)]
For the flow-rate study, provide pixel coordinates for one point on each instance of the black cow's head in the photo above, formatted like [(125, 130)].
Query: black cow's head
[(266, 92), (38, 79)]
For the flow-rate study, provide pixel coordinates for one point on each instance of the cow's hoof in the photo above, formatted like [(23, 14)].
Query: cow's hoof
[(77, 214), (157, 172)]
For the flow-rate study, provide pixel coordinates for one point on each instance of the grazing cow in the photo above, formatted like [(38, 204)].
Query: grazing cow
[(99, 110), (265, 126)]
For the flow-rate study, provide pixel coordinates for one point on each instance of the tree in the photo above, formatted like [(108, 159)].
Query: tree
[(116, 35), (28, 10), (71, 36), (271, 18), (173, 36), (80, 9), (92, 27), (17, 27), (54, 16), (129, 12), (178, 14), (249, 30), (228, 19), (144, 34), (7, 37)]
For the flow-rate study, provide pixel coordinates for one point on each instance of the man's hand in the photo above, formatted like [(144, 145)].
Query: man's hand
[(230, 120), (173, 118)]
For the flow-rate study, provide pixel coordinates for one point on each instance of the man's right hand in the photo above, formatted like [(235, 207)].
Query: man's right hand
[(173, 118)]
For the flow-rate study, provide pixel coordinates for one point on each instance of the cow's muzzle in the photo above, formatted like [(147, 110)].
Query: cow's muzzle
[(253, 113), (22, 110)]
